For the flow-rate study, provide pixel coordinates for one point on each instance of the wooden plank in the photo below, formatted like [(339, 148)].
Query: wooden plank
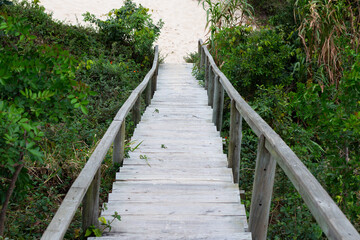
[(167, 197), (148, 94), (174, 236), (175, 171), (90, 211), (173, 163), (206, 80), (136, 177), (235, 141), (173, 127), (172, 140), (210, 89), (226, 187), (170, 225), (262, 191), (200, 55), (153, 85), (119, 145), (136, 111), (171, 124), (174, 208), (218, 107), (180, 156)]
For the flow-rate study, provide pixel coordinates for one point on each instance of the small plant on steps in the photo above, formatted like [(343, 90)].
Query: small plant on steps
[(104, 224)]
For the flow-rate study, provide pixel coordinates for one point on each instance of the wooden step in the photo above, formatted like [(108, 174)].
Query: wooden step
[(174, 236), (176, 184)]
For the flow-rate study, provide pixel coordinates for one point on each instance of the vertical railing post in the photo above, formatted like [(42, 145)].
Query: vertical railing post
[(235, 141), (119, 144), (210, 89), (199, 53), (262, 191), (136, 111), (218, 107), (148, 94), (202, 60), (206, 80), (201, 56), (153, 84), (90, 211)]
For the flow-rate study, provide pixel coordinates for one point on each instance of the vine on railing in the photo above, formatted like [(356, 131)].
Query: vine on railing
[(86, 187), (272, 150)]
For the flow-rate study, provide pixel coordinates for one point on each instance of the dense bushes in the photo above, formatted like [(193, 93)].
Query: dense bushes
[(259, 57), (301, 74), (60, 87)]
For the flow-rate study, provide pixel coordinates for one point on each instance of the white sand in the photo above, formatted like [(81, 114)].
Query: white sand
[(184, 20)]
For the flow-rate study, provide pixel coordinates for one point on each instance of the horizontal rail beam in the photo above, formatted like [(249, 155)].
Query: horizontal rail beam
[(328, 215)]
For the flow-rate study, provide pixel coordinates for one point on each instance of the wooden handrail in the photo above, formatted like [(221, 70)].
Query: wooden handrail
[(272, 150), (85, 189)]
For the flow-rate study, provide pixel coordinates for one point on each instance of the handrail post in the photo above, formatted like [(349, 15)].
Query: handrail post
[(90, 211), (136, 111), (200, 54), (210, 89), (206, 80), (262, 191), (235, 141), (153, 84), (202, 59), (148, 94), (119, 144), (218, 103)]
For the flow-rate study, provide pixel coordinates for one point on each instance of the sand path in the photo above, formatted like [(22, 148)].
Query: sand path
[(184, 20)]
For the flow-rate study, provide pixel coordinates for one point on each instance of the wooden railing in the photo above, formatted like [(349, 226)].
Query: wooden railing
[(271, 150), (85, 189)]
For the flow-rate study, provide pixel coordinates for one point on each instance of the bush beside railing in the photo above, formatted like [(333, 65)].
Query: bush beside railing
[(86, 187), (272, 150)]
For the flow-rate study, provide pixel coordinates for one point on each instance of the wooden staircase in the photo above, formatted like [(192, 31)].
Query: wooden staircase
[(176, 184)]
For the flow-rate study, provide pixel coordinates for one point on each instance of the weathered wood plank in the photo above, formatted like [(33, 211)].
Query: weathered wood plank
[(206, 80), (175, 208), (262, 191), (143, 177), (235, 141), (218, 106), (119, 144), (174, 163), (185, 226), (90, 211), (176, 171), (148, 94), (210, 89), (178, 187), (167, 197), (179, 236), (136, 111), (153, 85)]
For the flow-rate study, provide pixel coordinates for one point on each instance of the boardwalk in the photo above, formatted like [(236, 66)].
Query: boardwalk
[(176, 184)]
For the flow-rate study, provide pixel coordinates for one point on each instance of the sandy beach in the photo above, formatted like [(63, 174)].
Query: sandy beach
[(184, 20)]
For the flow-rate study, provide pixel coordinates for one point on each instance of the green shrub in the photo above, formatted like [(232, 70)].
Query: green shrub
[(129, 27), (250, 58), (48, 69)]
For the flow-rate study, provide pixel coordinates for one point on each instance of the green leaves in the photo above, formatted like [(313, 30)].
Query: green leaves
[(35, 79), (129, 25), (79, 101)]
